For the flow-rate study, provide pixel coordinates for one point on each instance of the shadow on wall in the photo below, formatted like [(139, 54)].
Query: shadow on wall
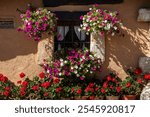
[(124, 52), (13, 44)]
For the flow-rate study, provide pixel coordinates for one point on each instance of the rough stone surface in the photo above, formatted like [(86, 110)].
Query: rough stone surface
[(144, 64), (145, 95), (144, 15), (45, 50), (97, 45)]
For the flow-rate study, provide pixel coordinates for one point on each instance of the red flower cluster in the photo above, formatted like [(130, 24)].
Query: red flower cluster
[(79, 91), (42, 75), (3, 79), (137, 71), (128, 84), (22, 91), (147, 76), (22, 75), (35, 88), (46, 84), (56, 81), (58, 89)]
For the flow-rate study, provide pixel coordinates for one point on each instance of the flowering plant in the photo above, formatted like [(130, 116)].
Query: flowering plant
[(112, 85), (37, 22), (131, 86), (90, 90), (100, 21), (7, 88), (137, 75), (77, 91), (78, 64)]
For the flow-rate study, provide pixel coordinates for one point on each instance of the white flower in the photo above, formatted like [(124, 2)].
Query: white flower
[(79, 29), (85, 24), (112, 34), (65, 62), (90, 9), (76, 67), (75, 71), (48, 71), (105, 21), (72, 68), (87, 70), (89, 65), (61, 60), (78, 75), (91, 72), (60, 74), (115, 27), (94, 24), (61, 64)]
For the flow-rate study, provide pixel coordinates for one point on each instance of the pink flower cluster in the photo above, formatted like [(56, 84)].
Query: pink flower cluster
[(100, 22), (37, 22), (78, 64)]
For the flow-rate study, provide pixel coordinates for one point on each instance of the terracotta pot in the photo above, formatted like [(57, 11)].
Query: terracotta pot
[(99, 98), (112, 97), (129, 97)]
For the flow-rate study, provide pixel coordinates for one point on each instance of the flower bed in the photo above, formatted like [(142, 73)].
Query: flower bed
[(43, 87)]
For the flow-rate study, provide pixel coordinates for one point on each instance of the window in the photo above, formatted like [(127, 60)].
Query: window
[(68, 35)]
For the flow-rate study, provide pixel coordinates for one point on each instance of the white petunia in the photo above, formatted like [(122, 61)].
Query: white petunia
[(61, 60), (60, 74), (61, 64)]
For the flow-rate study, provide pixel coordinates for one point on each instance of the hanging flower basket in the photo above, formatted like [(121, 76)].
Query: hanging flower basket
[(36, 22), (100, 21)]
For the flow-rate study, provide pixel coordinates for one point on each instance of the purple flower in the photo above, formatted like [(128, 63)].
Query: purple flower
[(81, 17), (28, 13)]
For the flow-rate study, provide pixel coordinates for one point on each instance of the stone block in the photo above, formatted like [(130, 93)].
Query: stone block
[(144, 15), (144, 64), (45, 50), (97, 45)]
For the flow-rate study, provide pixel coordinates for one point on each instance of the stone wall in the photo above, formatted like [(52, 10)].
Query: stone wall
[(17, 53)]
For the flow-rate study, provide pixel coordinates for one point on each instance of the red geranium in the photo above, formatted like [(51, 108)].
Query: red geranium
[(22, 75), (113, 80), (128, 84), (139, 81), (103, 90), (24, 83), (105, 85), (56, 81), (118, 89), (79, 91), (72, 90), (109, 78), (42, 75), (4, 79), (7, 88), (6, 93), (138, 71), (35, 88), (97, 88), (45, 84), (46, 94), (91, 97), (19, 82), (111, 87), (91, 85), (147, 76), (58, 89), (22, 93)]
